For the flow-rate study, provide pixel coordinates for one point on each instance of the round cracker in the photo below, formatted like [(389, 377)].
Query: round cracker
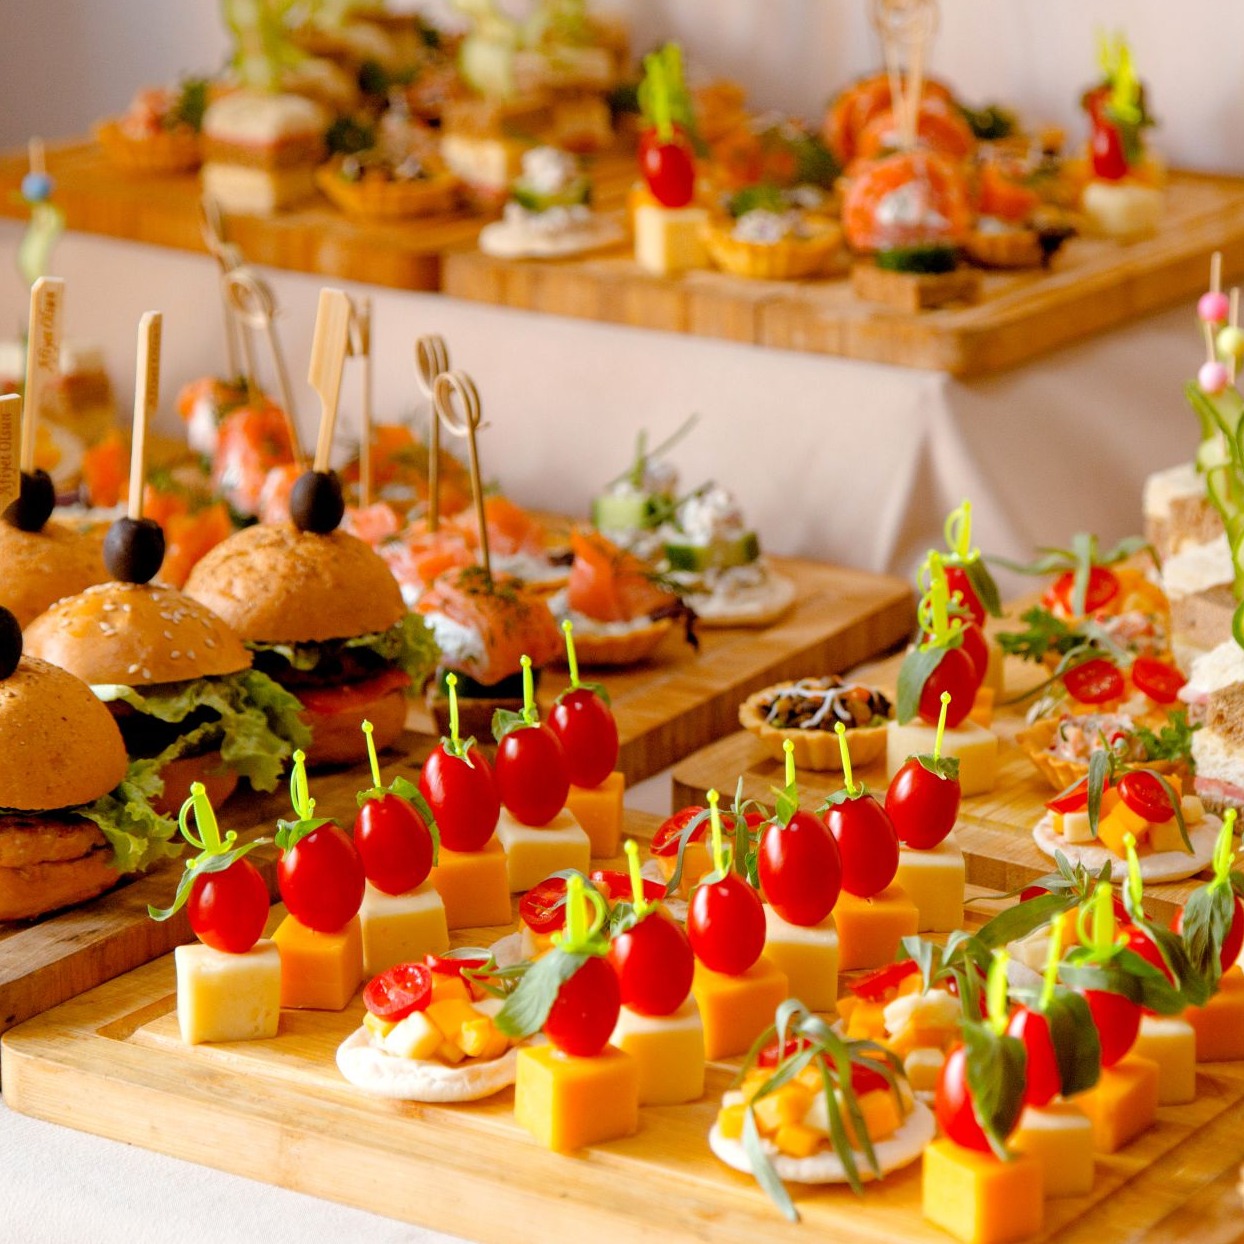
[(1155, 866), (414, 1079), (900, 1149), (760, 610), (504, 241)]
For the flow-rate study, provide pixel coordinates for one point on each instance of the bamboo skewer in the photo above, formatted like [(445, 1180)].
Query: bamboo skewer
[(10, 434), (448, 386), (328, 357), (360, 345), (47, 303), (146, 399), (431, 361), (228, 257)]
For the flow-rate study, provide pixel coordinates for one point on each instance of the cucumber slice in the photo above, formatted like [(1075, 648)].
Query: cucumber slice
[(722, 555), (622, 511), (579, 191)]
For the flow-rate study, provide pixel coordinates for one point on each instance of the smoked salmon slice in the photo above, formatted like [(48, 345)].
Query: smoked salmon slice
[(914, 198), (609, 584)]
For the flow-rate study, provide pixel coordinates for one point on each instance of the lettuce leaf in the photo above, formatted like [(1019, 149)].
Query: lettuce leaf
[(137, 834), (408, 644), (259, 722)]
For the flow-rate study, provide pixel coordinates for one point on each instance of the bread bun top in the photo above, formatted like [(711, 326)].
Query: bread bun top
[(275, 584), (39, 567), (136, 634), (59, 746)]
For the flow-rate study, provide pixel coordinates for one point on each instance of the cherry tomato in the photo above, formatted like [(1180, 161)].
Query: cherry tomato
[(1075, 800), (654, 965), (588, 734), (533, 779), (866, 1079), (229, 909), (669, 170), (1233, 943), (956, 674), (1145, 795), (952, 1104), (321, 879), (1159, 680), (922, 805), (651, 136), (616, 885), (665, 840), (800, 869), (444, 965), (867, 843), (879, 984), (1043, 1081), (1106, 143), (726, 925), (543, 908), (958, 582), (394, 844), (1094, 682), (771, 1054), (401, 991), (1103, 587), (582, 1018), (1118, 1022), (463, 797), (977, 648)]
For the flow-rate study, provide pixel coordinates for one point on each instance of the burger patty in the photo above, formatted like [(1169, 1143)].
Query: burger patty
[(336, 667), (147, 736), (28, 838)]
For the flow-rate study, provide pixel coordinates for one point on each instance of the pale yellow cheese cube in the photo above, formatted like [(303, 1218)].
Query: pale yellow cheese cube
[(1166, 836), (1170, 1042), (532, 853), (1074, 826), (923, 1067), (399, 928), (416, 1036), (975, 748), (224, 997), (934, 881), (1192, 808), (808, 956), (669, 1051), (669, 240), (994, 670), (1060, 1137)]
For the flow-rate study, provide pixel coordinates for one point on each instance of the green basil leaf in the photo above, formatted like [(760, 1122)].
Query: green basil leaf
[(1077, 1046), (996, 1078), (505, 722), (915, 671), (527, 1008), (1017, 922), (984, 585)]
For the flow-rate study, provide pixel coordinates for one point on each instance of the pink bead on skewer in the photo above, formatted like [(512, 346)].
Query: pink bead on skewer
[(1213, 307), (1213, 378)]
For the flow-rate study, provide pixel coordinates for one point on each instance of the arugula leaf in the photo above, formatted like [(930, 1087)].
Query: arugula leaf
[(409, 644), (137, 834)]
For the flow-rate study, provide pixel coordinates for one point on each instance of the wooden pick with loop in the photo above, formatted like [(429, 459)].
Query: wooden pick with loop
[(360, 347), (431, 361), (450, 388), (227, 256), (251, 302), (906, 28)]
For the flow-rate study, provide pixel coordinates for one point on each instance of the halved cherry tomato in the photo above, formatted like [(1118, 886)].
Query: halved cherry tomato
[(800, 869), (543, 908), (401, 991), (616, 885), (877, 986), (665, 840), (1146, 796), (1159, 680), (1094, 682), (1103, 587), (1075, 800)]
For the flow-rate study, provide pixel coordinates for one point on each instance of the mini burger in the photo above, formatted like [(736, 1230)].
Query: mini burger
[(177, 679), (323, 615), (74, 813)]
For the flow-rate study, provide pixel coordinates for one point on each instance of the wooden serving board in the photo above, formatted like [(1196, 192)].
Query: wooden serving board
[(1095, 285), (111, 1062), (317, 238), (994, 829)]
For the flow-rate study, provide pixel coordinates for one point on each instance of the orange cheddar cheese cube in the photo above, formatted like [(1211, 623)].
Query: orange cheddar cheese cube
[(1120, 821), (599, 811), (1219, 1024), (400, 928), (979, 1199), (319, 971), (809, 957), (982, 707), (1170, 1042), (696, 862), (1060, 1137), (1122, 1104), (474, 886), (567, 1102), (668, 1051), (870, 929), (735, 1010)]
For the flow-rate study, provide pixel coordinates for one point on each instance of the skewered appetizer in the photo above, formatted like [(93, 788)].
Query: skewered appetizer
[(160, 131), (380, 184), (775, 245)]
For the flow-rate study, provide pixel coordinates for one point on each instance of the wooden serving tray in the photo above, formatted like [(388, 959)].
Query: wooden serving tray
[(665, 709), (1094, 285), (317, 238), (111, 1062), (994, 829)]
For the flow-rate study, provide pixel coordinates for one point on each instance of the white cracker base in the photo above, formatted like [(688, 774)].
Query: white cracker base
[(1160, 866)]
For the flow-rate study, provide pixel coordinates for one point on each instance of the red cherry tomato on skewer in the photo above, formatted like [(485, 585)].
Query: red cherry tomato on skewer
[(1159, 680), (1232, 944), (977, 648), (669, 169), (953, 1105), (956, 674), (399, 992), (922, 805), (1094, 682), (867, 843), (463, 797), (958, 582), (726, 925), (1042, 1081), (654, 965), (800, 869), (321, 879), (588, 733), (394, 844), (1117, 1020), (582, 1018), (228, 909), (533, 779)]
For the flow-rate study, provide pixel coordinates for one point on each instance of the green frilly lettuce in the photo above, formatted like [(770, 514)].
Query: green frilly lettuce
[(137, 834), (408, 644)]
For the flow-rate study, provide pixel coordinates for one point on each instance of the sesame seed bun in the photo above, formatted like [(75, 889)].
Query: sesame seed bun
[(60, 745), (42, 566), (275, 584), (135, 634)]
